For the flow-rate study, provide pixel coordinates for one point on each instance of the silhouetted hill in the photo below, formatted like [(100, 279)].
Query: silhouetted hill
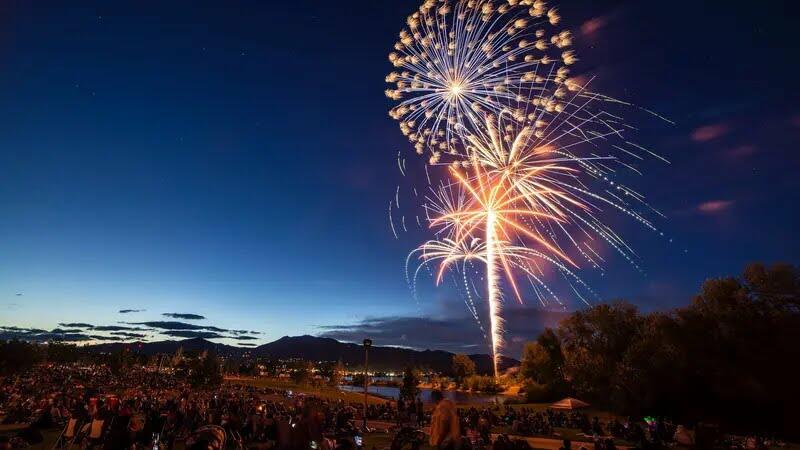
[(318, 349), (380, 358), (153, 348)]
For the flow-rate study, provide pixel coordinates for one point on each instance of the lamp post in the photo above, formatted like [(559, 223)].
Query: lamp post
[(367, 345)]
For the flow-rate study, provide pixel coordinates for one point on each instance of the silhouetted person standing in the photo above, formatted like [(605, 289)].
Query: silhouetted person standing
[(445, 433)]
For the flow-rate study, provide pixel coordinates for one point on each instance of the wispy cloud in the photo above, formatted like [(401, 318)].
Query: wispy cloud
[(742, 151), (81, 331), (38, 335), (245, 338), (714, 206), (193, 334), (175, 325), (244, 332), (104, 338), (129, 311), (114, 328), (168, 325), (66, 330), (593, 25), (128, 334), (456, 334), (76, 325), (710, 132), (184, 316)]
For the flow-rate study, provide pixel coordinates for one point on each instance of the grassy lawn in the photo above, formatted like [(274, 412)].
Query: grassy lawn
[(382, 441), (572, 434), (49, 436), (326, 392), (604, 416), (536, 407), (563, 433)]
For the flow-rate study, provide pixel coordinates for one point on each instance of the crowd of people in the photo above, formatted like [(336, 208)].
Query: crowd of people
[(523, 421), (145, 408)]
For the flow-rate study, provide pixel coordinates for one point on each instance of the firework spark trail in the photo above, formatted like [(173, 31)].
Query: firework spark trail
[(391, 222), (486, 202), (484, 86), (495, 295)]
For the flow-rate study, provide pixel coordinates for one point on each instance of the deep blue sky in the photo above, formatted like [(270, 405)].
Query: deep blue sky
[(235, 159)]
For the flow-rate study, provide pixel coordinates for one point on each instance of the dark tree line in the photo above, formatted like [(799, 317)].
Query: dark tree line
[(732, 356), (18, 356), (205, 371)]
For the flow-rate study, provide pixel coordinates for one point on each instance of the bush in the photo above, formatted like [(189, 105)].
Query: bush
[(409, 389), (302, 374), (205, 372), (357, 379), (536, 393), (17, 356), (482, 383)]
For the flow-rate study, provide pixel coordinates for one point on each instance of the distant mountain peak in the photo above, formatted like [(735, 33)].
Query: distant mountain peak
[(314, 348)]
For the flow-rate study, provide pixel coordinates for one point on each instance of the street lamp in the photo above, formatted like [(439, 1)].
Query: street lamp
[(367, 345)]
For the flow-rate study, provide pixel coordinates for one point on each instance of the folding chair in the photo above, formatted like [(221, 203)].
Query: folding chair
[(93, 433), (96, 430), (67, 437), (236, 440)]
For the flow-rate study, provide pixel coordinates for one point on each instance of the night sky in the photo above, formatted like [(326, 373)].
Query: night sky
[(234, 160)]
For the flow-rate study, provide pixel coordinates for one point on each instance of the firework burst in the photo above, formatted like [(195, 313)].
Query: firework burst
[(457, 61), (532, 155)]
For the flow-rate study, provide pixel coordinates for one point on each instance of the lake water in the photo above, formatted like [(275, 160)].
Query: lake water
[(425, 394)]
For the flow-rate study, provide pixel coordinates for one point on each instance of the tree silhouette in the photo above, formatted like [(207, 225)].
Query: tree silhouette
[(463, 366), (729, 356)]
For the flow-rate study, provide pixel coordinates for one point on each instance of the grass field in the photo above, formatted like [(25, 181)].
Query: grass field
[(326, 392), (49, 438)]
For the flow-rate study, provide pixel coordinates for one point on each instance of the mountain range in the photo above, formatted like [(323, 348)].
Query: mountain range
[(314, 348)]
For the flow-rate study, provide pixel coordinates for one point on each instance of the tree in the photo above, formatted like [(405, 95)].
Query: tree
[(358, 379), (18, 356), (777, 286), (463, 366), (205, 371), (438, 382), (652, 373), (337, 374), (535, 392), (483, 383), (302, 373), (728, 356), (593, 341), (249, 369), (409, 389), (739, 335), (536, 365), (120, 361), (59, 352), (231, 366), (542, 367)]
